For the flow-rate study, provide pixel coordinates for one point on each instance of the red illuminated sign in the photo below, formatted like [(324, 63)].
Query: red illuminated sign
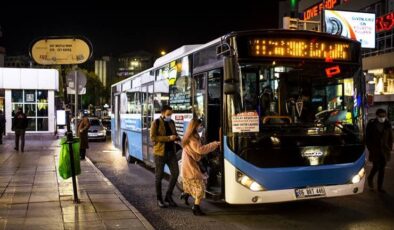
[(385, 22), (316, 9), (332, 71)]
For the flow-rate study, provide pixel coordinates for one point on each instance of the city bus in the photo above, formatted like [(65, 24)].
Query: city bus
[(287, 106)]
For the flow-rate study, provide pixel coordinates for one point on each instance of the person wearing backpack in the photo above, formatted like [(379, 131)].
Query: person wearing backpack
[(163, 134), (20, 124)]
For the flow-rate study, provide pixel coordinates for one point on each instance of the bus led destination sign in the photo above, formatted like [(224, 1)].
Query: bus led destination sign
[(300, 48)]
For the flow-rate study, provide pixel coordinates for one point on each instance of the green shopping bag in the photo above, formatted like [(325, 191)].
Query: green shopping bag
[(64, 158)]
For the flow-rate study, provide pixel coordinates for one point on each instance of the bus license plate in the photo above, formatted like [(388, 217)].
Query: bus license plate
[(310, 192)]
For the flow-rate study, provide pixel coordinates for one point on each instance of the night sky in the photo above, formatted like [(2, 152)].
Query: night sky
[(116, 27)]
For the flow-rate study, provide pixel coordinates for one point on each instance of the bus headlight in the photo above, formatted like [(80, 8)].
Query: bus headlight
[(357, 178), (248, 182)]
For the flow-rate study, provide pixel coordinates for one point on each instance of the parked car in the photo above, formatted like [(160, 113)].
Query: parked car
[(97, 131)]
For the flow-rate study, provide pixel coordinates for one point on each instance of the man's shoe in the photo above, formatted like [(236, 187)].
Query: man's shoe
[(170, 201), (161, 204), (381, 190), (16, 149)]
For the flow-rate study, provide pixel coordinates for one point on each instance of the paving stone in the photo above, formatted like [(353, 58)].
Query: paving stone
[(117, 215), (124, 224), (33, 196)]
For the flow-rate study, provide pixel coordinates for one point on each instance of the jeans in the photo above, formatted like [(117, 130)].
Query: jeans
[(170, 159), (378, 166), (19, 133)]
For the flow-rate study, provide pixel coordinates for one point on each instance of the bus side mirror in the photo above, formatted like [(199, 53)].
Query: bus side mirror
[(230, 74)]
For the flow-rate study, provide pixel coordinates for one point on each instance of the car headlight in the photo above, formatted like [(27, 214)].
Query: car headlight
[(357, 178), (248, 182)]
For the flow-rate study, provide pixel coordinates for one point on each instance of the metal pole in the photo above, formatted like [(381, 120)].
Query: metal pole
[(69, 137), (76, 99)]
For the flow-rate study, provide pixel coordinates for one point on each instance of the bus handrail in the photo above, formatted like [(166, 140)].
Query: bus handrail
[(267, 118)]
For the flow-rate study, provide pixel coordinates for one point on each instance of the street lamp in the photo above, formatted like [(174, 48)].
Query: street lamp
[(163, 52)]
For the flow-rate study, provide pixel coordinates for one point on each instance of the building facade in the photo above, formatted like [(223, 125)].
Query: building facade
[(133, 63), (33, 90), (105, 68)]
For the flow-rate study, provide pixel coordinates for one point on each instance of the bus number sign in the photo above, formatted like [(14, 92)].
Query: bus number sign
[(300, 48)]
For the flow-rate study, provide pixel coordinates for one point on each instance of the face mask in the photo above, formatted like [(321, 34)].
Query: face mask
[(200, 129), (381, 119), (168, 118)]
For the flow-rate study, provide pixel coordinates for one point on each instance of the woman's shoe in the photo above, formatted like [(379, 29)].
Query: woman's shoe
[(197, 211), (185, 196)]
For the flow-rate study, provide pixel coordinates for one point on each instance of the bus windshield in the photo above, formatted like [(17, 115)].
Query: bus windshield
[(298, 105)]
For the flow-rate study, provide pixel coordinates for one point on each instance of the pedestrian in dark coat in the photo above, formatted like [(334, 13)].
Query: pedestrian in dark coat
[(2, 126), (83, 128), (19, 125), (379, 140)]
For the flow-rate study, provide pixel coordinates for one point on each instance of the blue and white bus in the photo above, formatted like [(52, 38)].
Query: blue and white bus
[(288, 107)]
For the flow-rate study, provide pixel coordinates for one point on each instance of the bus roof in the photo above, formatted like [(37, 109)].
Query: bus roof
[(175, 54), (189, 49)]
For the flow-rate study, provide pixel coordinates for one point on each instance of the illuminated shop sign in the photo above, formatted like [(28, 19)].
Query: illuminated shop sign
[(316, 9), (385, 22), (300, 48), (354, 25)]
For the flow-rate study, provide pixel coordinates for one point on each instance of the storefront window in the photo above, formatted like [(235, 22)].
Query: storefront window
[(34, 104), (17, 96), (30, 96), (2, 99), (383, 80)]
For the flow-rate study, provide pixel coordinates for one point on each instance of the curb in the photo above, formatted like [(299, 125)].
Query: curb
[(119, 194)]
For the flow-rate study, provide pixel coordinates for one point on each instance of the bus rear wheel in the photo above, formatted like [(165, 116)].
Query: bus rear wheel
[(126, 153)]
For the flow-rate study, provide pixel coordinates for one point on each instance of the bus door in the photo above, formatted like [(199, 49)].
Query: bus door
[(207, 103), (117, 130), (147, 118)]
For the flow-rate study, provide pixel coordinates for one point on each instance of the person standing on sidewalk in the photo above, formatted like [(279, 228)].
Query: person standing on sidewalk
[(2, 126), (192, 176), (83, 128), (19, 125), (379, 140), (163, 134)]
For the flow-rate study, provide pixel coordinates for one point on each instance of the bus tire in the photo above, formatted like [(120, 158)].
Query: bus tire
[(126, 153)]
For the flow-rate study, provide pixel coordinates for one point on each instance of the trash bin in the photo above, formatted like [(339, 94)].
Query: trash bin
[(64, 158)]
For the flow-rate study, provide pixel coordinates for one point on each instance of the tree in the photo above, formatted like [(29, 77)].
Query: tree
[(95, 91)]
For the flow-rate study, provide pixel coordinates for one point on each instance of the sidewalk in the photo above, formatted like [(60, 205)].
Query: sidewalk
[(33, 196)]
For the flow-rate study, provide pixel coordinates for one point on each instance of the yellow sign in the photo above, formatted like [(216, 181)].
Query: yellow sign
[(60, 51)]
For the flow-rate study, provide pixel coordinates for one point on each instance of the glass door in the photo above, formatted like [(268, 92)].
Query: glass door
[(147, 118)]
